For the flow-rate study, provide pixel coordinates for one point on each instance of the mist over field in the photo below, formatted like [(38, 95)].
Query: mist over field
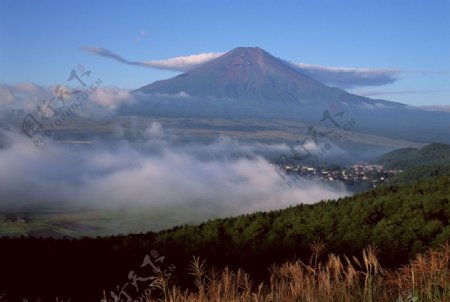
[(191, 180)]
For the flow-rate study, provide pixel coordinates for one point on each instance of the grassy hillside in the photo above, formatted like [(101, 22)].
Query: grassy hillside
[(400, 221), (407, 158)]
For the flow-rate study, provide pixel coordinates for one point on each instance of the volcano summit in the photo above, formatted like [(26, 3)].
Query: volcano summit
[(252, 74), (248, 82)]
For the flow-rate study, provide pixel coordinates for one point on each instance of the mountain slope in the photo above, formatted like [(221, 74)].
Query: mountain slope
[(421, 172), (248, 82), (252, 74), (408, 158)]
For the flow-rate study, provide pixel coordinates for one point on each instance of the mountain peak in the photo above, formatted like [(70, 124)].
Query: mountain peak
[(253, 55), (248, 73), (248, 82), (252, 75), (247, 48), (253, 50)]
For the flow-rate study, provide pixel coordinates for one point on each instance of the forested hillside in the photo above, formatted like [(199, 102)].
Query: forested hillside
[(407, 158), (417, 164), (418, 173), (399, 221)]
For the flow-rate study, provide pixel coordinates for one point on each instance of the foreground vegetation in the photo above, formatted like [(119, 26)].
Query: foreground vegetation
[(331, 278), (402, 221), (426, 278)]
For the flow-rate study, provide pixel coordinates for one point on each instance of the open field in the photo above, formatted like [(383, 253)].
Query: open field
[(75, 224)]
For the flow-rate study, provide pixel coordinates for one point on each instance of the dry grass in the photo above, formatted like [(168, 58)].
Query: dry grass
[(426, 278)]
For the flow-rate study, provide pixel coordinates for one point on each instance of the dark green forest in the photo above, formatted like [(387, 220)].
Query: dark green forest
[(418, 173), (408, 158), (399, 220), (417, 164)]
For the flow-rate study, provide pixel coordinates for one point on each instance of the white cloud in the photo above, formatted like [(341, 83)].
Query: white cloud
[(28, 97), (394, 92), (182, 63), (6, 95), (111, 97), (349, 77), (445, 108), (154, 130), (23, 96), (178, 95), (343, 77), (178, 179)]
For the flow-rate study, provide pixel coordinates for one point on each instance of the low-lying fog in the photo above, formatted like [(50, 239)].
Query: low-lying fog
[(195, 182)]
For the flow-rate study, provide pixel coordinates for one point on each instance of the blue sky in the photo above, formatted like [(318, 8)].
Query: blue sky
[(41, 41)]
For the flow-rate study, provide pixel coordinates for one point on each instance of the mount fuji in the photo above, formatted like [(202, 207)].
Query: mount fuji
[(250, 83)]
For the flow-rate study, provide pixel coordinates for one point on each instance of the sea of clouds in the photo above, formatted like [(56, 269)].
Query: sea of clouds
[(151, 173), (207, 181)]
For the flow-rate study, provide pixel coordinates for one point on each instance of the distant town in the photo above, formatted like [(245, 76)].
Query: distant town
[(359, 176)]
